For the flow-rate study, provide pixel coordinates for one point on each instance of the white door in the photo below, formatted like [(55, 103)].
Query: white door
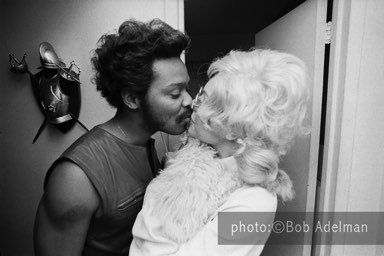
[(301, 32)]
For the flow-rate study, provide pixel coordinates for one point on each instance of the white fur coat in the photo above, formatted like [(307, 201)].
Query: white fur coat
[(190, 189)]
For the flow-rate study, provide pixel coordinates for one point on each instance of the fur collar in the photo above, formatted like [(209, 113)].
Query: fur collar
[(193, 185)]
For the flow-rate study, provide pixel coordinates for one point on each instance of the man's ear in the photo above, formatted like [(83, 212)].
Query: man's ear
[(130, 99)]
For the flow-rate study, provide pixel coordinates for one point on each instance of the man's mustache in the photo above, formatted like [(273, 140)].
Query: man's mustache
[(186, 114)]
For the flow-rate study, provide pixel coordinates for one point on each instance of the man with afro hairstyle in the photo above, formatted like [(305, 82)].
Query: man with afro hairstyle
[(95, 189)]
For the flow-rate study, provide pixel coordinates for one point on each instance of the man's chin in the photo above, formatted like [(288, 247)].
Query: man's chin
[(175, 130)]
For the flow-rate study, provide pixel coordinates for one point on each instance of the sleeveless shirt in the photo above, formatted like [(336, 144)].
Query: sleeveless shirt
[(120, 173)]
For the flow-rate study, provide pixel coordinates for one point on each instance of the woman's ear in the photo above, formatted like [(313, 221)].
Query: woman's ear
[(130, 99), (231, 136)]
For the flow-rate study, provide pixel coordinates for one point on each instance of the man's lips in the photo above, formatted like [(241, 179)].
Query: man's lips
[(186, 120), (185, 117)]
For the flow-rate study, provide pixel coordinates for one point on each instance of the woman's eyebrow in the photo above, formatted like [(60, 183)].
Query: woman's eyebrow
[(204, 94)]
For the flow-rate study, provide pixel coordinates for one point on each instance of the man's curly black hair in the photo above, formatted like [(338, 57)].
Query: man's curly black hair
[(124, 59)]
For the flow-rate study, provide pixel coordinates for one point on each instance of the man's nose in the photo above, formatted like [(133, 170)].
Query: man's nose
[(187, 99)]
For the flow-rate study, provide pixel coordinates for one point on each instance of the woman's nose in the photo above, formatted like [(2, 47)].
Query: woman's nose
[(193, 116)]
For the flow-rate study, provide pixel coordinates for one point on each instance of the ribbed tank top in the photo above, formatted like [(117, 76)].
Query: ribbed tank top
[(120, 173)]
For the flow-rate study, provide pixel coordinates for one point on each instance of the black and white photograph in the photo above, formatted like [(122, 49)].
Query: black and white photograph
[(192, 128)]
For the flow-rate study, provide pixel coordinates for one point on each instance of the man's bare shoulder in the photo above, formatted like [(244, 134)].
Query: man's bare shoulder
[(69, 194)]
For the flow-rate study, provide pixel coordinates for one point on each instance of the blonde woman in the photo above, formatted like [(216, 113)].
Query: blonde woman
[(244, 120)]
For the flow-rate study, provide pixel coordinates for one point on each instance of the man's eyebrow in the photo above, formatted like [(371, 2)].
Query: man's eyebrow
[(181, 84)]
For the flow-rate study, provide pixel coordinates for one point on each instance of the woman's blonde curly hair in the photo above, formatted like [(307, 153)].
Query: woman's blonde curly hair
[(258, 99)]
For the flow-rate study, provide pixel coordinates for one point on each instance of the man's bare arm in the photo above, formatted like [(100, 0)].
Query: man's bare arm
[(65, 211)]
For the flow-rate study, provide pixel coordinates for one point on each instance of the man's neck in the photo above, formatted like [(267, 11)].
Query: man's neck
[(128, 127)]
